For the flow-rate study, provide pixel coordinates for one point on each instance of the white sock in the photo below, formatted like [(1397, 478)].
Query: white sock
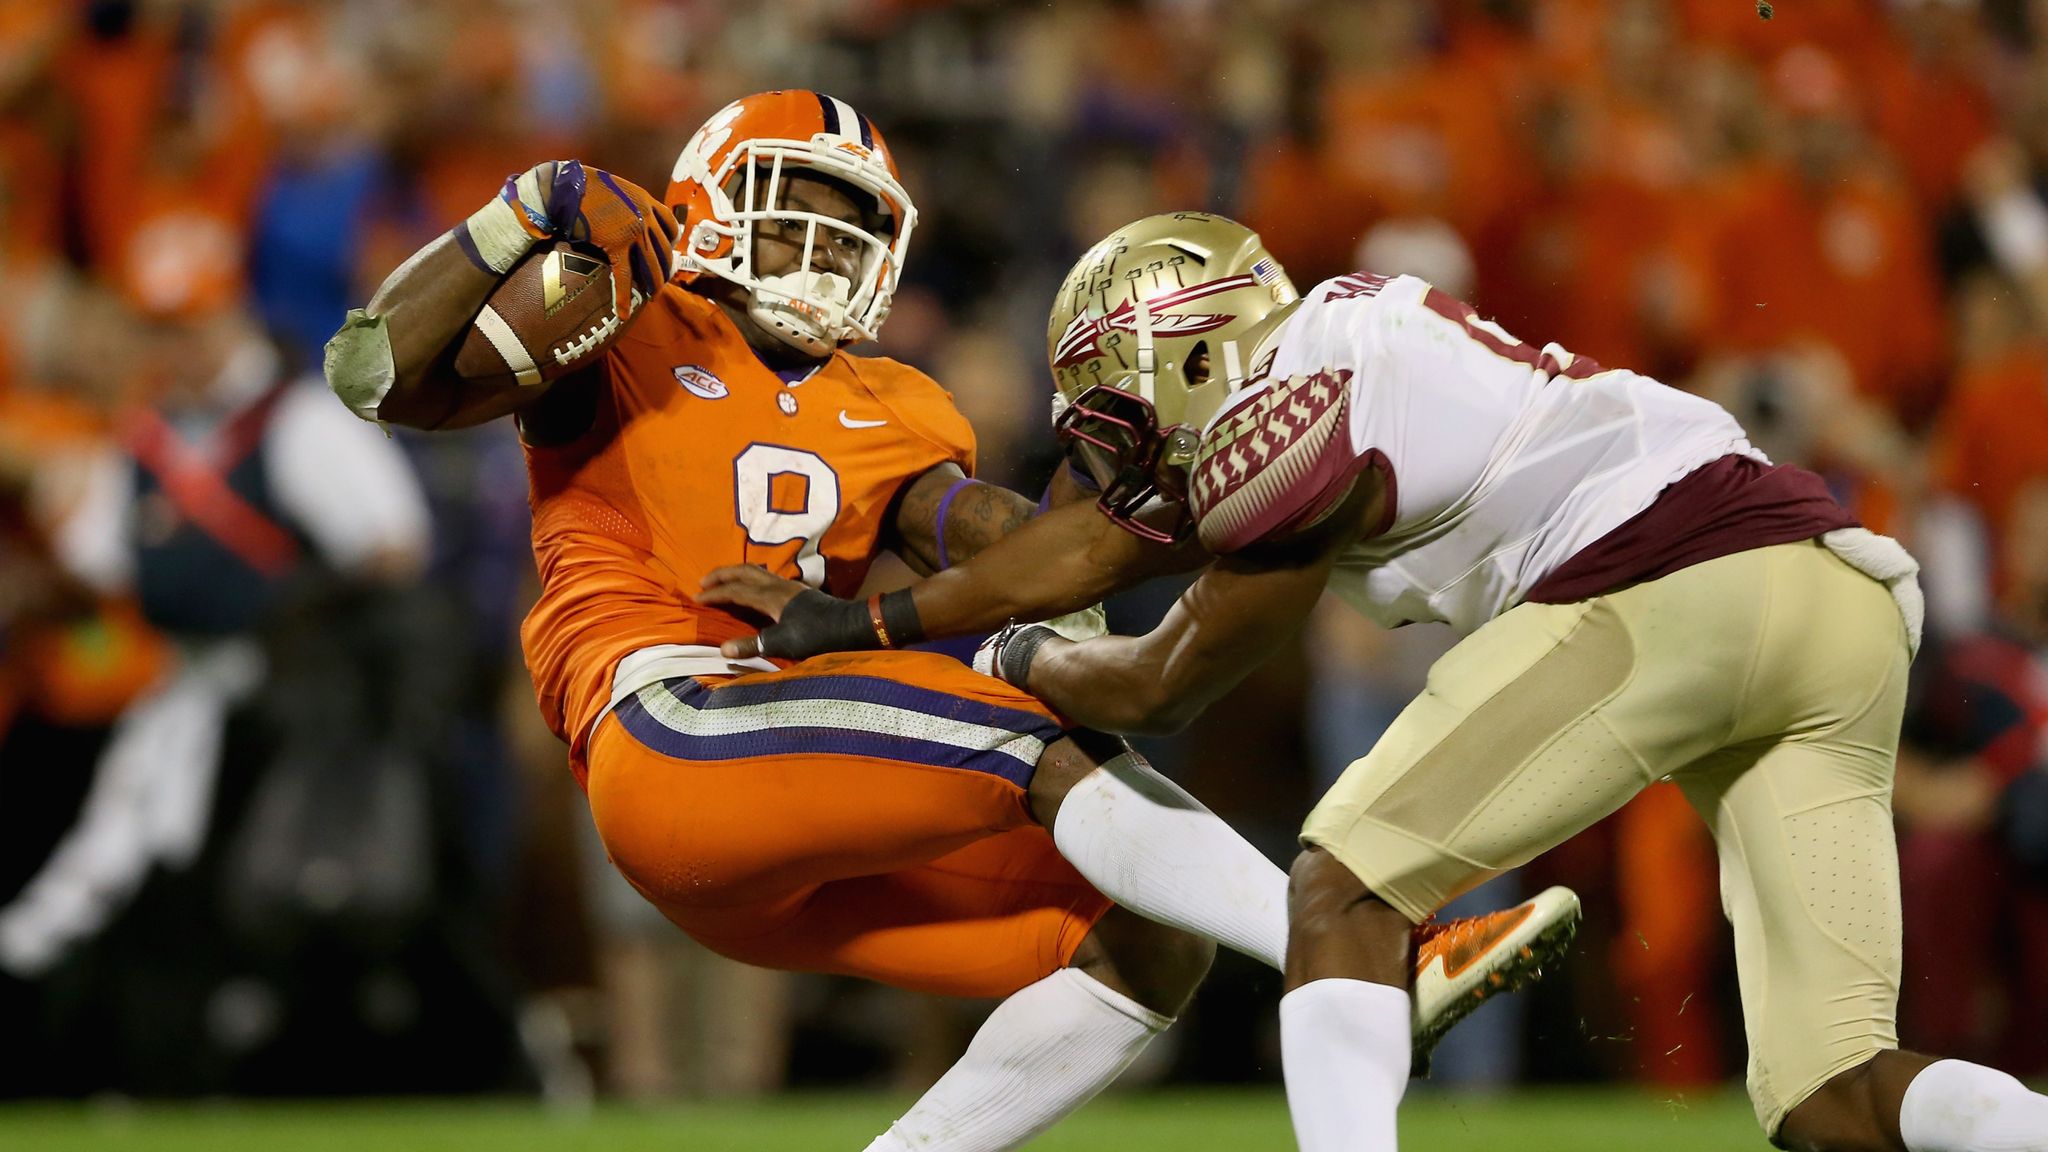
[(1957, 1106), (1344, 1048), (1041, 1054), (1148, 845)]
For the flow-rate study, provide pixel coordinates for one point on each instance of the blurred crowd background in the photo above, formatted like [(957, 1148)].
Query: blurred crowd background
[(276, 813)]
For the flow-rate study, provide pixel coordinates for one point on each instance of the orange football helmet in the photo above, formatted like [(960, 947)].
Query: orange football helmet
[(730, 176)]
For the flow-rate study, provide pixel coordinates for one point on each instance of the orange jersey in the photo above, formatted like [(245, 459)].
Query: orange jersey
[(699, 456)]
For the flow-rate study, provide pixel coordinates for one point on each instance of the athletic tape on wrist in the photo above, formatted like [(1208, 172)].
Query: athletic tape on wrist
[(1014, 660), (494, 237), (945, 506)]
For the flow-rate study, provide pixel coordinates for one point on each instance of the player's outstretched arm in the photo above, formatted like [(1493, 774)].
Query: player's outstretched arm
[(1061, 562), (391, 360), (1228, 623), (1008, 566), (945, 518)]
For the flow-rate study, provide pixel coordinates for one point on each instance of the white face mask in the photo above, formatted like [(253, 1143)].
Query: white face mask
[(814, 312), (804, 309)]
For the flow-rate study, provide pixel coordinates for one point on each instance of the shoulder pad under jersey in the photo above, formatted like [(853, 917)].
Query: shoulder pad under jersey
[(1273, 462)]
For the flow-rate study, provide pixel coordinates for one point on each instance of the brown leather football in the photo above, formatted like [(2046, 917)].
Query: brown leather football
[(551, 314)]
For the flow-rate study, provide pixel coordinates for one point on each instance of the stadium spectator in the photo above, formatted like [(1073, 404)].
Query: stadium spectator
[(1987, 445), (1969, 778), (209, 506), (1823, 243)]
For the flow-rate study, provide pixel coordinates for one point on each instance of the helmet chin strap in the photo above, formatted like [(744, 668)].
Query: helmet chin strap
[(1146, 356), (1233, 367)]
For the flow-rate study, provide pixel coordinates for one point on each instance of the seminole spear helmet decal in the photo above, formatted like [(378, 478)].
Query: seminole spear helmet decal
[(1135, 312)]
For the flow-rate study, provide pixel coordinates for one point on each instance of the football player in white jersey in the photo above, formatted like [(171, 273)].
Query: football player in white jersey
[(1643, 596)]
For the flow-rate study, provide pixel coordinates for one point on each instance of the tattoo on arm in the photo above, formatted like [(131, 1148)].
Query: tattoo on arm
[(981, 515), (978, 515), (912, 520)]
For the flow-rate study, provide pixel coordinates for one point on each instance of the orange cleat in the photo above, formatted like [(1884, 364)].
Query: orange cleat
[(1461, 964)]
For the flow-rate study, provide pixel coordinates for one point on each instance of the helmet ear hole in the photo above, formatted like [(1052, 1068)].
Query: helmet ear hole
[(1162, 307)]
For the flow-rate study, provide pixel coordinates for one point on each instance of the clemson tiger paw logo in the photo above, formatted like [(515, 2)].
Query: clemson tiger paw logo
[(708, 140)]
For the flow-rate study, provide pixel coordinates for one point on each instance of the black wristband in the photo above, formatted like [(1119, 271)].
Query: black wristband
[(813, 623), (1013, 659), (899, 617)]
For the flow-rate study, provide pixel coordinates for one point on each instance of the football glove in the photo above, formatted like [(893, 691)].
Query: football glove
[(814, 623), (561, 199)]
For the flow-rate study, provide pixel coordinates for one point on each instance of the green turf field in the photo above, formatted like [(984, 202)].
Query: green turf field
[(1604, 1121)]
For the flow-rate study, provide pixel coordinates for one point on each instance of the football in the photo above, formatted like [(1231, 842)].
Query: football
[(551, 314)]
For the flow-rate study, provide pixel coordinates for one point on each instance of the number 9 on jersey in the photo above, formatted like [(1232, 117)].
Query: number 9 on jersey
[(783, 495)]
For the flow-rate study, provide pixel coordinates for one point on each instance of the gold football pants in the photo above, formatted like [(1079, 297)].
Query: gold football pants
[(1769, 685)]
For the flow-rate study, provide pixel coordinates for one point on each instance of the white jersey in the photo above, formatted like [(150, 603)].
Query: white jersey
[(1501, 460)]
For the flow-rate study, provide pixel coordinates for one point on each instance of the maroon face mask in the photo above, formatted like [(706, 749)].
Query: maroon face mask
[(1116, 438)]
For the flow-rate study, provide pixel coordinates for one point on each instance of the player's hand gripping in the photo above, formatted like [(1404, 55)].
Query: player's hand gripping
[(561, 199), (807, 622)]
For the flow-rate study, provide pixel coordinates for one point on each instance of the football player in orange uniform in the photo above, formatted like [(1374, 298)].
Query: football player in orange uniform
[(887, 814)]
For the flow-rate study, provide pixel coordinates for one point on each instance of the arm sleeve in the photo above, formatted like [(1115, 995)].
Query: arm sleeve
[(345, 485)]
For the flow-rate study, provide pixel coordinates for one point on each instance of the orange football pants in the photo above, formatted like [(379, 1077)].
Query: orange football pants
[(861, 814)]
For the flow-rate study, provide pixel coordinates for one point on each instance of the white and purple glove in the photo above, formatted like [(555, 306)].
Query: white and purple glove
[(561, 199)]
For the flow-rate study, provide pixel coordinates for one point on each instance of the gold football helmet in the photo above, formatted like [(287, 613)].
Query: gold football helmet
[(1135, 314)]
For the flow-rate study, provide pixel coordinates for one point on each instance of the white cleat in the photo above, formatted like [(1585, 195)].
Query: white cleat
[(1461, 964)]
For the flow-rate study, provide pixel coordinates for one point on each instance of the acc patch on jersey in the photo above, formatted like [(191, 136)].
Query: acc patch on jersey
[(700, 381), (1279, 461)]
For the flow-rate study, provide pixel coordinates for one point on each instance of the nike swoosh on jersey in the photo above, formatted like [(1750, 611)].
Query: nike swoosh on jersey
[(849, 422)]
